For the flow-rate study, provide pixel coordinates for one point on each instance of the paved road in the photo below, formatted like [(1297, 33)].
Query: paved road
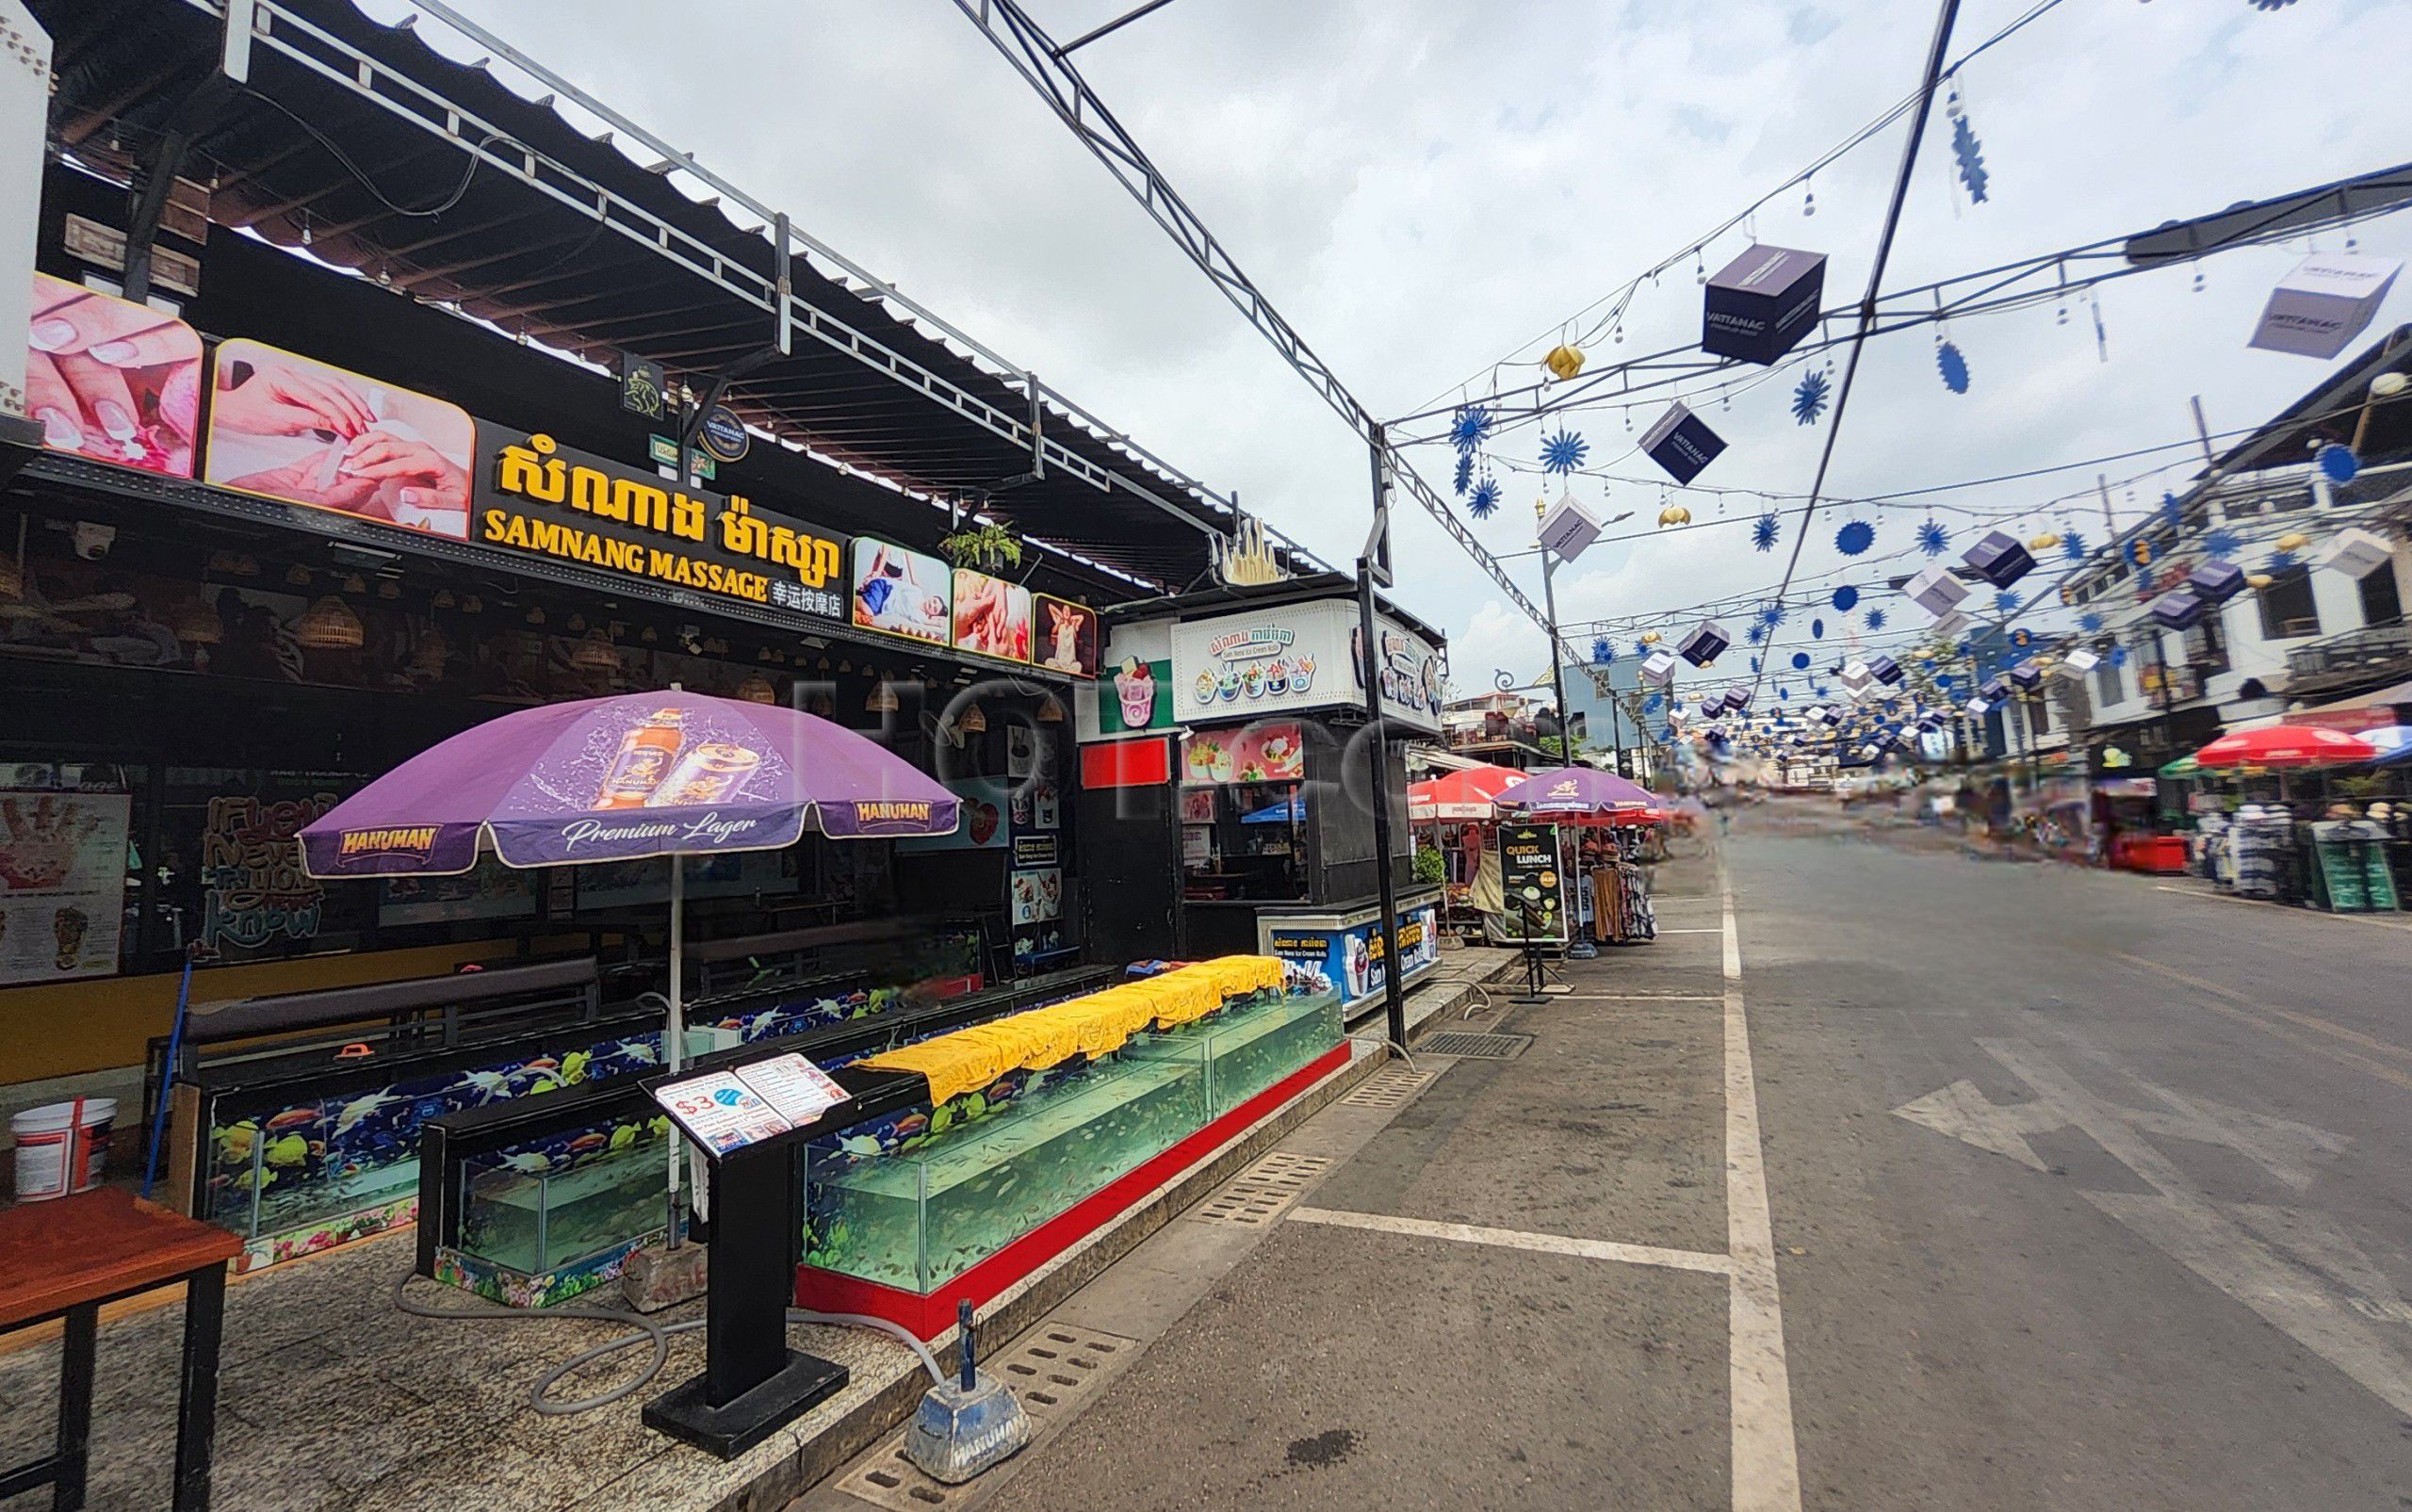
[(2078, 1194)]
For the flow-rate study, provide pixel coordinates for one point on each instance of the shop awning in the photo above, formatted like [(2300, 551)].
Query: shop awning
[(570, 225)]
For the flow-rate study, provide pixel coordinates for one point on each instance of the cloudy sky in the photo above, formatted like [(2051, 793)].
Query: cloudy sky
[(1424, 187)]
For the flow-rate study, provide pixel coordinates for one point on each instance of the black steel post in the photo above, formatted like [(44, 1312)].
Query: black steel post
[(1557, 657), (1369, 666)]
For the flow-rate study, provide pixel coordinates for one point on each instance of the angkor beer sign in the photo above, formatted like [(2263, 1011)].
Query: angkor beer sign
[(537, 495)]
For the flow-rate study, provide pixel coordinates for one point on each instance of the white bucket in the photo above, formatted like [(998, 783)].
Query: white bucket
[(49, 1145)]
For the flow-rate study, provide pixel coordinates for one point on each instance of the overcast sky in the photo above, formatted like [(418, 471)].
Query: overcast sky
[(1423, 185)]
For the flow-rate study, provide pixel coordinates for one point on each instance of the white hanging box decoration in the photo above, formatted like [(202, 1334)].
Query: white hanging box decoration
[(1658, 667), (2327, 301), (1856, 677), (1949, 625), (1569, 529), (1936, 591), (2076, 664), (2354, 552)]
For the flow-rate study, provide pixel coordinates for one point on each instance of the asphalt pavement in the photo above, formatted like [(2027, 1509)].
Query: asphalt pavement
[(1926, 1183)]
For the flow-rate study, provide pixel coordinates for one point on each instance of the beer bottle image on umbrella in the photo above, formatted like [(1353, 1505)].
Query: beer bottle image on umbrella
[(642, 760), (710, 773)]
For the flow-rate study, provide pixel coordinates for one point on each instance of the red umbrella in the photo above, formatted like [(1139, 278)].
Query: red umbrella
[(2287, 745), (1459, 795)]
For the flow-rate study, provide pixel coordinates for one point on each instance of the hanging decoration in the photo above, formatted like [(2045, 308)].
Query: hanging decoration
[(1464, 478), (1854, 538), (1817, 629), (2090, 623), (2073, 547), (1484, 501), (1764, 532), (2338, 464), (1471, 427), (2006, 601), (1846, 599), (1563, 361), (1757, 633), (1875, 619), (1776, 613), (1602, 652), (1674, 515), (1966, 151), (2282, 560), (2139, 553), (1809, 400), (2223, 543), (1932, 538), (1952, 365), (2172, 514), (1563, 452)]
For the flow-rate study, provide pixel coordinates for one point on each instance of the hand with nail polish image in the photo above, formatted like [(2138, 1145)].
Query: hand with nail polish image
[(293, 428), (112, 380)]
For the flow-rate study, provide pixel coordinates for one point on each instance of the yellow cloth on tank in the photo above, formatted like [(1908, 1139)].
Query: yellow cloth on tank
[(965, 1060)]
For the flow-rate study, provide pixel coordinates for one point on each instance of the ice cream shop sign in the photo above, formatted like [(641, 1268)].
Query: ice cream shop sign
[(1297, 657)]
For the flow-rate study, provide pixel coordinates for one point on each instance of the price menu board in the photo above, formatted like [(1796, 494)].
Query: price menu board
[(724, 1110), (1534, 892)]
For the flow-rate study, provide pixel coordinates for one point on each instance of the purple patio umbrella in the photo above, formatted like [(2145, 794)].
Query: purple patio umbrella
[(1571, 790), (670, 773)]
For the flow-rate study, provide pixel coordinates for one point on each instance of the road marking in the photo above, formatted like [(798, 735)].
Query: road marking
[(1643, 997), (2228, 898), (1766, 1455), (2244, 1015), (1691, 932), (1382, 1222)]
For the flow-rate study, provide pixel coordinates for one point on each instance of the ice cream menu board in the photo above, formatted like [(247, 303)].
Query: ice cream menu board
[(62, 883), (1141, 698), (1261, 753), (723, 1110), (1529, 880)]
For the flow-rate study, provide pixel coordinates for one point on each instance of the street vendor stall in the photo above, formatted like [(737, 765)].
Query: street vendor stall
[(1225, 778), (1610, 899)]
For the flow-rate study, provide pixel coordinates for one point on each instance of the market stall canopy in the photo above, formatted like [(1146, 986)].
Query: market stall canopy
[(1462, 795), (1571, 790), (2287, 745), (608, 779), (2185, 766)]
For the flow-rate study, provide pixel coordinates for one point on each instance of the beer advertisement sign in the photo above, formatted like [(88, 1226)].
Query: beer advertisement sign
[(534, 495)]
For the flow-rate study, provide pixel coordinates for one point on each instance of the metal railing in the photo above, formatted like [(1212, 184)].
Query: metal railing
[(2365, 650)]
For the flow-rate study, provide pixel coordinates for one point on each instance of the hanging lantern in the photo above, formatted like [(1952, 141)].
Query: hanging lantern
[(2291, 541), (971, 721), (594, 652), (537, 615), (298, 576), (756, 688), (443, 599), (2044, 541), (882, 699), (329, 624), (472, 605), (1674, 515), (197, 624), (823, 705), (1563, 362), (1051, 712)]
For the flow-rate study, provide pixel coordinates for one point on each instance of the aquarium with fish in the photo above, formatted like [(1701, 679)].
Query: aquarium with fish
[(912, 1202), (558, 1215)]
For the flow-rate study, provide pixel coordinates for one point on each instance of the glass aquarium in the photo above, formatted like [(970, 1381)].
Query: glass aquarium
[(524, 1218), (918, 1214), (1250, 1045)]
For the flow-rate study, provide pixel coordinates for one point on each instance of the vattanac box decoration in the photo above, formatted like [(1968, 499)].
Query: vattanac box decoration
[(1885, 670), (1999, 558), (1707, 643), (1936, 591), (2327, 301), (2354, 551), (2216, 581), (1569, 529), (1658, 667), (2179, 609), (1682, 443), (1761, 304)]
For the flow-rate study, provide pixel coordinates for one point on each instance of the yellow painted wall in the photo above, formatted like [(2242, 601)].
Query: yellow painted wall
[(63, 1029)]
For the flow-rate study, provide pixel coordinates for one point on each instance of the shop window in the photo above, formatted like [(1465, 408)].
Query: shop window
[(2110, 683), (1244, 841), (2206, 645), (2287, 612), (2381, 603)]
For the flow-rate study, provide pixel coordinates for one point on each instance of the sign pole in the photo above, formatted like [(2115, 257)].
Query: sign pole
[(1369, 664)]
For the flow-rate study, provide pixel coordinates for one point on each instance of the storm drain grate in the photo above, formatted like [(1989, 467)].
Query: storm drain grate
[(1389, 1089), (1258, 1194), (1053, 1374), (1484, 1047)]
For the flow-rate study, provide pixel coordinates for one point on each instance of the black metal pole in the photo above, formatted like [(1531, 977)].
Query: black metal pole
[(1557, 657), (1369, 667)]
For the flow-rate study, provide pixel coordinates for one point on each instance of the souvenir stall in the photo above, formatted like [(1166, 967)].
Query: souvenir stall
[(1595, 816), (1455, 817), (1224, 778)]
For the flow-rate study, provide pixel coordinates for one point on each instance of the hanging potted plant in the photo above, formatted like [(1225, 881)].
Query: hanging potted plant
[(988, 547)]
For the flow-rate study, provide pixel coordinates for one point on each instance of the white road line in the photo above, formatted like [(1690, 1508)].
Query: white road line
[(1463, 1233), (1767, 1457), (1691, 932), (2226, 897), (1643, 997)]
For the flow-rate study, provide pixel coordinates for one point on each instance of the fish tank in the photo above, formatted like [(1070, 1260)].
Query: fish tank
[(316, 1172), (983, 1173), (1251, 1044), (537, 1212)]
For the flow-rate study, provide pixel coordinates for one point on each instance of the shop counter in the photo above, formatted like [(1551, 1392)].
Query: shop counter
[(1343, 943)]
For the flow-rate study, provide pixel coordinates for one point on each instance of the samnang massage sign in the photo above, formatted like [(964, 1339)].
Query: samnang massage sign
[(541, 497)]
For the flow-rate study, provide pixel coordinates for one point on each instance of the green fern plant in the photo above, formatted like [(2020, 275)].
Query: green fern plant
[(983, 547)]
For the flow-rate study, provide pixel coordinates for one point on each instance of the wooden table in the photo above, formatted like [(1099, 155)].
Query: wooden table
[(65, 1259)]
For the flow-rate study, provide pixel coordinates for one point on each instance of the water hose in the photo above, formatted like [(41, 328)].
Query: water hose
[(647, 1331)]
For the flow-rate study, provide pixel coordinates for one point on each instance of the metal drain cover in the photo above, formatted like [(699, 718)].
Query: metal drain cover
[(1486, 1047), (1258, 1194), (1389, 1089)]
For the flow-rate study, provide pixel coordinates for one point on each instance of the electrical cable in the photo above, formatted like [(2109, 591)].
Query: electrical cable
[(459, 192)]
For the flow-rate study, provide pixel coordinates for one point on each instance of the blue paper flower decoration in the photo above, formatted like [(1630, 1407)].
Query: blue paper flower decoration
[(2006, 601), (2338, 464), (1970, 154), (1464, 478), (1484, 501), (1653, 704), (2282, 561), (1602, 652), (1777, 612), (1564, 451), (1953, 366), (1470, 427), (2090, 623), (2223, 543), (1854, 537), (2073, 547), (1817, 689), (1783, 693), (2171, 513), (1846, 599), (1876, 619), (2118, 655), (1800, 662), (1764, 531), (1817, 629), (1755, 666), (1809, 399), (1756, 633), (1933, 539)]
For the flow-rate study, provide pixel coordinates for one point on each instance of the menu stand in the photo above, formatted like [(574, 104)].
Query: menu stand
[(751, 1383)]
